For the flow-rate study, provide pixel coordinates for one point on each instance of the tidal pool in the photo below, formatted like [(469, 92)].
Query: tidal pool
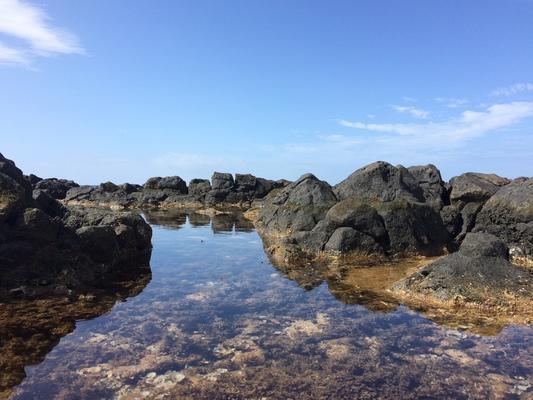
[(218, 321)]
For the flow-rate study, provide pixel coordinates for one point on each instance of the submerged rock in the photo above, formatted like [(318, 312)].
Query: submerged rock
[(480, 270)]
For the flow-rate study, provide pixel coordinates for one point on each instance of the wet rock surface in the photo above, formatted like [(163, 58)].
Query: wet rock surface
[(47, 248), (477, 272)]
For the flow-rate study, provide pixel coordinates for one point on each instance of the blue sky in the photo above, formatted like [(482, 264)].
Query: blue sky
[(122, 90)]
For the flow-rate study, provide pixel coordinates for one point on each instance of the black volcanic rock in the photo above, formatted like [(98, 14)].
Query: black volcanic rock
[(174, 183), (33, 179), (221, 181), (474, 187), (508, 214), (297, 207), (387, 210), (479, 270), (199, 187), (467, 193), (48, 248), (430, 181), (56, 188), (382, 181)]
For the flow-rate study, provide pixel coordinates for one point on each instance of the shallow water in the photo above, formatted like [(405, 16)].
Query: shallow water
[(217, 320)]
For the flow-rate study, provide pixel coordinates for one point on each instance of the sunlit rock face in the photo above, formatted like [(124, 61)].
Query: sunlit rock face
[(47, 248), (378, 210), (479, 271)]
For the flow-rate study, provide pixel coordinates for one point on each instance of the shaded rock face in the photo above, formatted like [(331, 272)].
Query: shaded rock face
[(480, 270), (508, 214), (55, 188), (430, 181), (199, 187), (467, 194), (48, 248)]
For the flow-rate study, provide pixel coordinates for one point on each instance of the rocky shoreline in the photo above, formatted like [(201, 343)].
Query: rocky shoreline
[(481, 224), (47, 248)]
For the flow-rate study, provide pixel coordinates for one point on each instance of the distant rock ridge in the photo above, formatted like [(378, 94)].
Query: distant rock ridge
[(223, 191)]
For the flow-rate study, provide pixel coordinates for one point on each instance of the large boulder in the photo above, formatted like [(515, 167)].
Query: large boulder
[(430, 181), (174, 183), (508, 214), (297, 207), (479, 271), (220, 181), (474, 187), (55, 188), (382, 181), (239, 192), (199, 187)]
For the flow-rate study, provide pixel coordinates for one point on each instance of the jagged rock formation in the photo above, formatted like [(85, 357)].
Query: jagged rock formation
[(47, 248), (478, 271)]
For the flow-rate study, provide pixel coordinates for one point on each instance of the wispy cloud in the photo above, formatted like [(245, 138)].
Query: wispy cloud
[(467, 125), (24, 22), (513, 89), (451, 102), (413, 111)]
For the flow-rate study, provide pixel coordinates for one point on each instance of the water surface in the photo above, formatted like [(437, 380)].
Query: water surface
[(218, 321)]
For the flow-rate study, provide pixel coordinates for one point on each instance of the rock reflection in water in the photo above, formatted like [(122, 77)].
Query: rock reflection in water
[(218, 322), (220, 223), (29, 329)]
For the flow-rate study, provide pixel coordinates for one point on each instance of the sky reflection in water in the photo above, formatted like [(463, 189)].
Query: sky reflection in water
[(218, 320)]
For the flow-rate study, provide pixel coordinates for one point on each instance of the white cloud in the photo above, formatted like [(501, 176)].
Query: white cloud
[(9, 55), (24, 22), (467, 125), (413, 111), (513, 89)]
